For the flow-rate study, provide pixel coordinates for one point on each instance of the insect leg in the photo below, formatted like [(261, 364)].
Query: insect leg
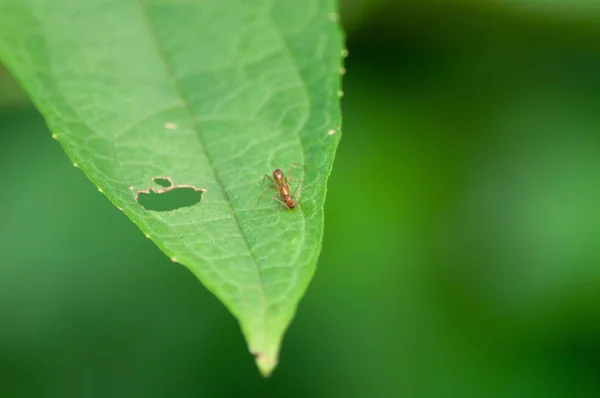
[(292, 166), (264, 193), (270, 179), (280, 201), (294, 193)]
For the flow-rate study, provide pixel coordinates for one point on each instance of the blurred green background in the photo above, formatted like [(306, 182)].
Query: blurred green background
[(462, 243)]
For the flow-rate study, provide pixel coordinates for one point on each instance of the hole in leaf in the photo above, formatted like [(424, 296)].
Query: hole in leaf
[(163, 182), (167, 200)]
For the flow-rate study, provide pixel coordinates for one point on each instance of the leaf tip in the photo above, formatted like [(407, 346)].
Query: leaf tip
[(266, 363)]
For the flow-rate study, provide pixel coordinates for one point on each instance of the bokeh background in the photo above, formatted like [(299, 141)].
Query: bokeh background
[(462, 246)]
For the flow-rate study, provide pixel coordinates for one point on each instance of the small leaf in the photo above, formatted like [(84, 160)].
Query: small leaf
[(208, 95)]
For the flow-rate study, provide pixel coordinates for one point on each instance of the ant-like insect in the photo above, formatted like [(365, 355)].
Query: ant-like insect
[(281, 184)]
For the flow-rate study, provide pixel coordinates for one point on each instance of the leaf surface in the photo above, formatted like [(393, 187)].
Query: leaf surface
[(206, 94)]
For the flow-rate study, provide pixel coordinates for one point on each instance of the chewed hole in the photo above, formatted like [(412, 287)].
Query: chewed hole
[(169, 200), (170, 196), (163, 182)]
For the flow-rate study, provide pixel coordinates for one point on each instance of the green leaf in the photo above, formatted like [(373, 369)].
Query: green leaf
[(208, 94), (11, 94)]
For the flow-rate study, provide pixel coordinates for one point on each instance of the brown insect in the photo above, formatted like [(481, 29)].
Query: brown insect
[(281, 184)]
